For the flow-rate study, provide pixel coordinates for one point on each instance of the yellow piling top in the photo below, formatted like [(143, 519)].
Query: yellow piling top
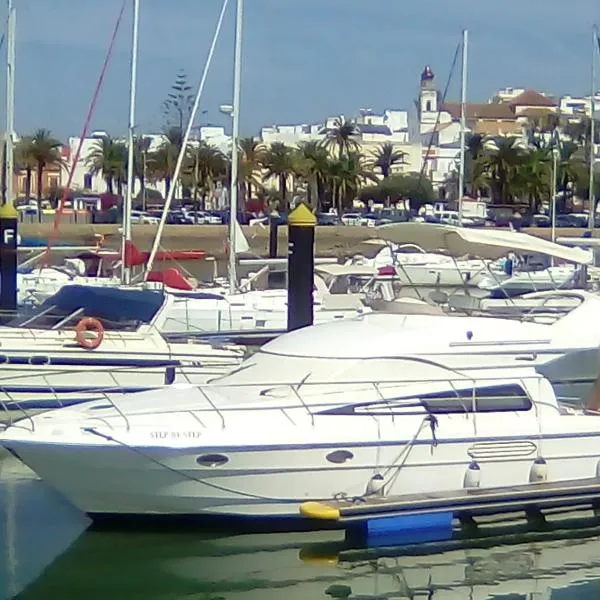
[(302, 216), (8, 211)]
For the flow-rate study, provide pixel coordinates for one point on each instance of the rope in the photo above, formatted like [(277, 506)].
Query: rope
[(84, 132)]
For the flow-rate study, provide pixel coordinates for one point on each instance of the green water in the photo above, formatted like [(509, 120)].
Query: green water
[(274, 567), (47, 552)]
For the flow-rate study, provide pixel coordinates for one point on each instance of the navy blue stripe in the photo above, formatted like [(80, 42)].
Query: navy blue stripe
[(87, 361), (68, 389), (313, 446)]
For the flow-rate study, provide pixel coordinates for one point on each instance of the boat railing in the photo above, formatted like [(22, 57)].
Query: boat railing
[(393, 399)]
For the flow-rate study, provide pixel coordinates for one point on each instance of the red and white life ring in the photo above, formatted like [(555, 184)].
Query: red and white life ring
[(86, 326)]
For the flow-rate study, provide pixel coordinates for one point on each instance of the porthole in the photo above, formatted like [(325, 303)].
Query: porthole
[(212, 460), (101, 407), (339, 457)]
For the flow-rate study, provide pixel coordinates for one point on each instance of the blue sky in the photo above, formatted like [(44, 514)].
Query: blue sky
[(303, 59)]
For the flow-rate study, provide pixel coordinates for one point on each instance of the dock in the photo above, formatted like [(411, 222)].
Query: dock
[(463, 504)]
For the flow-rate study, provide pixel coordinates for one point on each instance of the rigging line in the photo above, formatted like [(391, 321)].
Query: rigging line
[(86, 124), (439, 112), (181, 473), (186, 137)]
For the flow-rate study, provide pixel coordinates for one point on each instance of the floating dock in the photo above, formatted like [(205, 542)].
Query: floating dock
[(470, 502), (376, 520)]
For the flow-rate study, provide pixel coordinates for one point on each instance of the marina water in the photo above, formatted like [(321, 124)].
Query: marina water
[(47, 550)]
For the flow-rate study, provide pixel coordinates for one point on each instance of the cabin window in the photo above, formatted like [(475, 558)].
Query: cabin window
[(496, 398)]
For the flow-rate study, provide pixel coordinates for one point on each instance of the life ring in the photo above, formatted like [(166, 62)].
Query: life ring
[(89, 324)]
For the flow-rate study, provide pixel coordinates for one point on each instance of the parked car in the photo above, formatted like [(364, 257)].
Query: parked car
[(327, 219), (139, 217), (352, 219)]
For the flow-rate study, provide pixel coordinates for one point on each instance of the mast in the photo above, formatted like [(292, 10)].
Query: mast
[(128, 204), (463, 125), (235, 134), (10, 105), (591, 198)]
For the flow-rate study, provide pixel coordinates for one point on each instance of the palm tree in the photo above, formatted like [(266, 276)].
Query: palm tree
[(140, 152), (347, 175), (161, 163), (40, 150), (25, 161), (313, 164), (207, 165), (252, 157), (501, 161), (109, 157), (342, 137), (474, 171), (534, 176), (386, 157), (280, 163)]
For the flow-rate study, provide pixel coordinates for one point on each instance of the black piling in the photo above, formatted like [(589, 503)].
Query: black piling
[(8, 261), (301, 265), (273, 231)]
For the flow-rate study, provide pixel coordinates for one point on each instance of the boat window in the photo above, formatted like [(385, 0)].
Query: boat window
[(496, 398), (117, 309)]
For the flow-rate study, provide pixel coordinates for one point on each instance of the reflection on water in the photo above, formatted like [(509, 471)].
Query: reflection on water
[(37, 525), (310, 567)]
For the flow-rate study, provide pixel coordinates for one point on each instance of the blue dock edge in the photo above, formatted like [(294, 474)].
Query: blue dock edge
[(404, 529)]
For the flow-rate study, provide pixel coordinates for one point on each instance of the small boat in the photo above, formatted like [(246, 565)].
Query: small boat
[(49, 360)]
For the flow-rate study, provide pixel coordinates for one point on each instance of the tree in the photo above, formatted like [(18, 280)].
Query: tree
[(280, 163), (39, 151), (341, 138), (24, 160), (161, 163), (109, 158), (177, 107), (140, 154), (347, 174), (252, 157), (313, 165), (206, 165), (398, 187), (501, 161), (386, 157), (534, 177)]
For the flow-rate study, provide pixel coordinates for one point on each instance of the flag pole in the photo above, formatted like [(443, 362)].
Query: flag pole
[(591, 196)]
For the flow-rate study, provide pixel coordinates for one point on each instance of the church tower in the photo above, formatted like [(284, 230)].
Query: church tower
[(428, 100)]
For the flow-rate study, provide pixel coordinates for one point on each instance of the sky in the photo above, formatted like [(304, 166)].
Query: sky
[(303, 60)]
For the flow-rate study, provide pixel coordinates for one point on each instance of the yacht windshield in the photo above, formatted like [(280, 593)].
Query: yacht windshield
[(117, 309)]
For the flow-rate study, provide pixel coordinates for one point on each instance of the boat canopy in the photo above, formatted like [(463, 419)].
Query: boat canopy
[(116, 308), (484, 243)]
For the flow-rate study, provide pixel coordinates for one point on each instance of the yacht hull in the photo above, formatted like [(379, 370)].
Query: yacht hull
[(264, 483)]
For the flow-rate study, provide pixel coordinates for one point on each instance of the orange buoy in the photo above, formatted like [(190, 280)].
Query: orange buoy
[(89, 324)]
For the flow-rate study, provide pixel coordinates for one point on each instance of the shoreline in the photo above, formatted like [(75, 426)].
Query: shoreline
[(331, 242)]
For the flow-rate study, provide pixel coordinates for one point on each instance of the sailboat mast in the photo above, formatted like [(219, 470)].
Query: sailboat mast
[(128, 205), (10, 104), (463, 125), (235, 134), (591, 197)]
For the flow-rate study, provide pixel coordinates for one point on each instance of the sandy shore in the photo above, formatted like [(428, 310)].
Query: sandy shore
[(331, 241)]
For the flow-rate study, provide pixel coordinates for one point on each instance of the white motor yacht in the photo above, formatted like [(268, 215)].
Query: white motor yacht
[(46, 363), (301, 421), (426, 255)]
